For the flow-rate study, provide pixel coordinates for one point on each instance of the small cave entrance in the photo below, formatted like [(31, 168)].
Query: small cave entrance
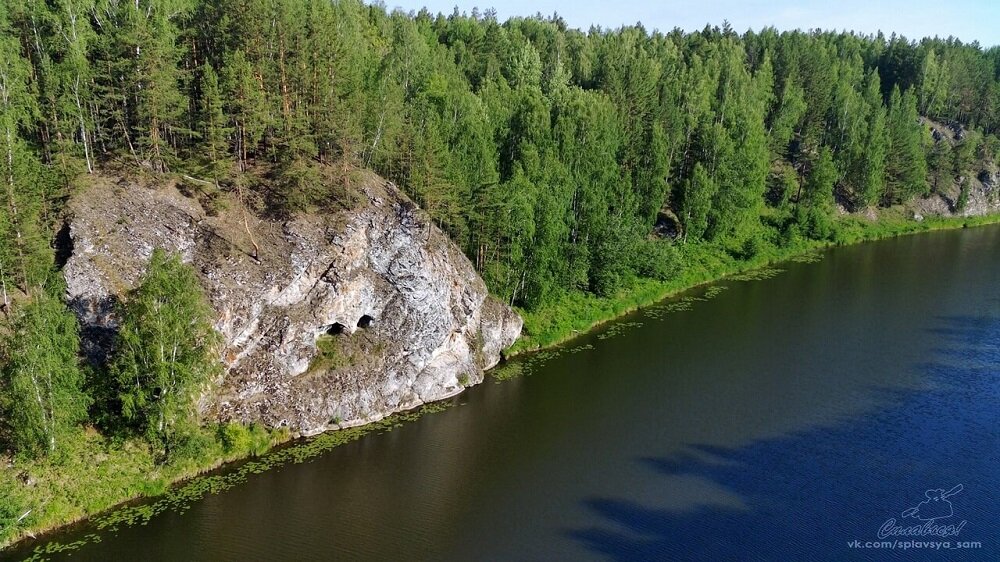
[(63, 245), (668, 225), (334, 329), (365, 322)]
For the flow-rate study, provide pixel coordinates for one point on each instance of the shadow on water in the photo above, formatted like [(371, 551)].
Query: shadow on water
[(805, 496)]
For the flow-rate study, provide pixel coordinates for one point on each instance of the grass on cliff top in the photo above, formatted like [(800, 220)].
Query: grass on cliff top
[(574, 313)]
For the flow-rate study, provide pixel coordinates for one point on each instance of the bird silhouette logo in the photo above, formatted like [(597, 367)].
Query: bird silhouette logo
[(936, 506)]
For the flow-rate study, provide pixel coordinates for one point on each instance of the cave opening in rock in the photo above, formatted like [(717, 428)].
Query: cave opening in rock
[(365, 321), (335, 329), (63, 244)]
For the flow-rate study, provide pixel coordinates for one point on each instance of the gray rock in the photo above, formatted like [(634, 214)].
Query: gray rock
[(405, 312)]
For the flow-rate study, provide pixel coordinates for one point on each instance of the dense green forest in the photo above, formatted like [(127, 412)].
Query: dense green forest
[(550, 155), (547, 153)]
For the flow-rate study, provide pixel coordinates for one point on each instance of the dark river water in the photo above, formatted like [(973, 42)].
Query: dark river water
[(780, 419)]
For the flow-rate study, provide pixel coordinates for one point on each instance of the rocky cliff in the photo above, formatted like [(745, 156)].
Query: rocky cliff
[(983, 179), (340, 319)]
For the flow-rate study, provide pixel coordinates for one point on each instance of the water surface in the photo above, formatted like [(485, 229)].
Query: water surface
[(777, 420)]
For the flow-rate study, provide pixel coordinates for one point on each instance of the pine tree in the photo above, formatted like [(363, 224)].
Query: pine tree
[(934, 85), (871, 169), (247, 105), (23, 247), (786, 118), (940, 166), (816, 207), (75, 36), (547, 154), (906, 165), (160, 106), (215, 126)]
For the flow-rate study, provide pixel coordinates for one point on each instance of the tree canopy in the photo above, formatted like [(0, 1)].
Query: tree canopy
[(165, 352), (546, 152)]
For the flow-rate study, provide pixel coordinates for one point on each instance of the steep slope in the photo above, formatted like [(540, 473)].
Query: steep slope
[(344, 318)]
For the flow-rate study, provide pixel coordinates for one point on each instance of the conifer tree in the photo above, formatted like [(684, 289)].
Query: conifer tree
[(906, 165), (22, 238), (871, 172)]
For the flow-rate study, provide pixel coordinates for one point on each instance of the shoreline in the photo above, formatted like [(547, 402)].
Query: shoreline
[(647, 292), (224, 472)]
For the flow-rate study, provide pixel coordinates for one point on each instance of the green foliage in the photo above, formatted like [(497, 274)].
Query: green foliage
[(965, 154), (657, 259), (784, 184), (906, 163), (42, 398), (786, 118), (96, 473), (818, 190), (963, 195), (940, 166), (302, 186), (697, 202), (574, 313), (24, 185), (165, 355), (546, 153), (871, 172), (216, 133), (236, 437), (816, 205), (334, 352)]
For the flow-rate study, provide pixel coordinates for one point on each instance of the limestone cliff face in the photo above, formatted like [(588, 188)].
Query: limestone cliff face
[(399, 312)]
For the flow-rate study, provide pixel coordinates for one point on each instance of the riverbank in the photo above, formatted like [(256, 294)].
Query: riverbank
[(120, 490), (577, 313), (95, 473), (99, 474)]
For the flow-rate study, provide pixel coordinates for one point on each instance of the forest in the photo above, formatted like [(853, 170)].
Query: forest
[(561, 161)]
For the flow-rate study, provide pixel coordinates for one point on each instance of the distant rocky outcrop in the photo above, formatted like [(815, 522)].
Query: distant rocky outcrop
[(982, 180), (341, 319)]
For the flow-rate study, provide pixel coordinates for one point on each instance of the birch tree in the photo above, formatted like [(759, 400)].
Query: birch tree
[(165, 355), (42, 384)]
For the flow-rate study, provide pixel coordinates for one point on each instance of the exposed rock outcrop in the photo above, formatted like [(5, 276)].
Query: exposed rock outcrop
[(983, 180), (399, 311)]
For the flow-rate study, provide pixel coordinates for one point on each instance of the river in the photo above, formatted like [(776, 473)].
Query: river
[(777, 418)]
